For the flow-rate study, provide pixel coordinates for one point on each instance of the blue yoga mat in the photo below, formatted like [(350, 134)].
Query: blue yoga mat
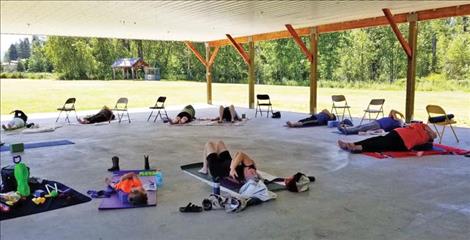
[(39, 144)]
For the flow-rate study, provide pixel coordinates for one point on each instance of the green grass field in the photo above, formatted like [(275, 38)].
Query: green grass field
[(34, 96)]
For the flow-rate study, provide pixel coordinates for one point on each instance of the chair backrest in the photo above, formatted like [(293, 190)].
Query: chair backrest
[(69, 103), (435, 110), (122, 102), (377, 102), (338, 98), (263, 98), (161, 100)]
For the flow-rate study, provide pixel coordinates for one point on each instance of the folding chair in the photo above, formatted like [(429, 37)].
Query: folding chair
[(435, 111), (375, 106), (159, 105), (263, 100), (69, 106), (339, 99), (121, 106)]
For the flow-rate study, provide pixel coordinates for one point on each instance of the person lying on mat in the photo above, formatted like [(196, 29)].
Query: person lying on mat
[(399, 139), (18, 121), (104, 115), (185, 116), (130, 183), (319, 119), (227, 114), (394, 120), (220, 164)]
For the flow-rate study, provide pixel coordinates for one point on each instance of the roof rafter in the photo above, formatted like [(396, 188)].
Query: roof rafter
[(239, 49), (299, 42), (437, 13), (401, 39)]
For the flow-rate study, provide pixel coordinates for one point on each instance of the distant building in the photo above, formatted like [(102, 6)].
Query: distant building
[(128, 67)]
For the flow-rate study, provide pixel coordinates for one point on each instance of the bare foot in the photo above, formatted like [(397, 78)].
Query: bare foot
[(202, 170), (343, 145)]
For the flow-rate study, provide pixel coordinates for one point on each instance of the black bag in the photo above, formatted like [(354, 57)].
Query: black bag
[(276, 115), (8, 179)]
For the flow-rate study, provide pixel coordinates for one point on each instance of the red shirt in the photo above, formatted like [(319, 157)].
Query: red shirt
[(127, 185), (413, 135)]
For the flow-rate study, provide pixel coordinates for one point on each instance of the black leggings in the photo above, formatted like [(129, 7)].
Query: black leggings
[(310, 121), (390, 142)]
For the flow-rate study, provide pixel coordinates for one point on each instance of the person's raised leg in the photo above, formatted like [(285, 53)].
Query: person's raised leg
[(232, 113), (209, 148), (221, 147), (221, 114)]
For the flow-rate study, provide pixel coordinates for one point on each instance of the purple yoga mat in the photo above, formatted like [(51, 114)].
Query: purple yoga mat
[(114, 202)]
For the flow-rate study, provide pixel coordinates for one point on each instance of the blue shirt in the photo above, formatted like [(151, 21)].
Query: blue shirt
[(322, 118), (388, 123)]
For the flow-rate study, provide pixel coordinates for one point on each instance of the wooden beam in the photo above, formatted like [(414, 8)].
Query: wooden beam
[(209, 73), (213, 56), (299, 42), (411, 71), (461, 10), (251, 75), (239, 49), (313, 69), (196, 52), (397, 32)]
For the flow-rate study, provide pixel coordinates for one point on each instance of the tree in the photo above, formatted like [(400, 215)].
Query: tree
[(20, 67), (12, 53)]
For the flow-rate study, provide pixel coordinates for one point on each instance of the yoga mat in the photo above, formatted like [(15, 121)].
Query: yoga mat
[(39, 144), (114, 202), (210, 123), (438, 149), (225, 184), (27, 207)]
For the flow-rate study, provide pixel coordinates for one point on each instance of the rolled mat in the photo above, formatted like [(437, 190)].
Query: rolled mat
[(39, 144), (438, 149), (114, 202), (225, 184), (27, 207)]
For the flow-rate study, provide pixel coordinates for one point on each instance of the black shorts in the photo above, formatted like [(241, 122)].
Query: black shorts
[(227, 116), (219, 165), (185, 114)]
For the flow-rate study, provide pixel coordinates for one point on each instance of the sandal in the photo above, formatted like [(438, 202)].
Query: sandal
[(191, 208)]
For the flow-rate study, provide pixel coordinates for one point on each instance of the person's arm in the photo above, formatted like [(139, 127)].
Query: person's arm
[(240, 157), (394, 114), (128, 176)]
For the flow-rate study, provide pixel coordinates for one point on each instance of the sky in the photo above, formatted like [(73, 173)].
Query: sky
[(7, 39)]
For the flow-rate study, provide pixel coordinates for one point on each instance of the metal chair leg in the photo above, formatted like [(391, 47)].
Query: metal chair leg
[(58, 116), (150, 116), (128, 117), (455, 135)]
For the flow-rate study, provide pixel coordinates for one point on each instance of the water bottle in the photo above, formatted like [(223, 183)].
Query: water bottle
[(216, 186), (159, 178)]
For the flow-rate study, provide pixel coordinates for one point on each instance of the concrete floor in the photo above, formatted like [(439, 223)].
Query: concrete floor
[(355, 197)]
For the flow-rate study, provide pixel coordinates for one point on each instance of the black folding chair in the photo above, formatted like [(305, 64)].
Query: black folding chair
[(376, 106), (69, 106), (159, 106), (263, 100), (121, 106), (339, 102)]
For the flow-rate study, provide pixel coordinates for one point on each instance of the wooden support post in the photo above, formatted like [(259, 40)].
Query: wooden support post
[(209, 74), (251, 73), (313, 69), (411, 72)]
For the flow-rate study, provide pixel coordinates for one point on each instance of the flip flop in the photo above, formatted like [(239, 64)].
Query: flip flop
[(191, 208)]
